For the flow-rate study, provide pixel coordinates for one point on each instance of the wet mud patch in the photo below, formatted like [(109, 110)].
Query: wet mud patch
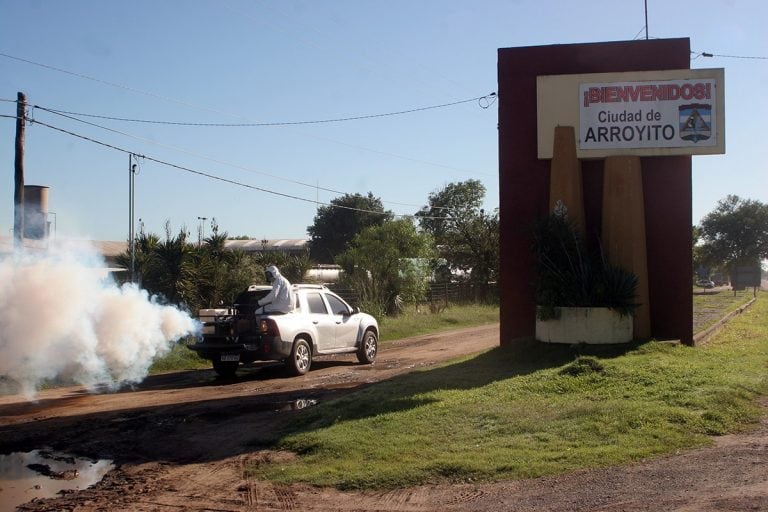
[(39, 474)]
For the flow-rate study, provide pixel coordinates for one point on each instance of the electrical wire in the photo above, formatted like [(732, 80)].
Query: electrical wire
[(187, 152), (491, 98), (113, 84), (219, 178), (707, 54), (175, 166), (187, 104), (146, 93), (230, 164), (487, 97), (221, 162), (483, 101)]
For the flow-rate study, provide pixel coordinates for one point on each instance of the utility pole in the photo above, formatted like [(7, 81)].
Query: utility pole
[(18, 195), (131, 236), (646, 20), (201, 231)]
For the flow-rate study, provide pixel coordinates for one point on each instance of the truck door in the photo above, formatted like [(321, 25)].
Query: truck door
[(346, 323), (323, 322)]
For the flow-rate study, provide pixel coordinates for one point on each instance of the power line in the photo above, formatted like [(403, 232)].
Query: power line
[(187, 104), (317, 187), (487, 97), (221, 162), (218, 178), (175, 166), (112, 84), (182, 150), (707, 54), (490, 99)]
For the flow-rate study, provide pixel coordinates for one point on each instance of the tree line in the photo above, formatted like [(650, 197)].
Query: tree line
[(201, 275), (386, 260), (389, 261)]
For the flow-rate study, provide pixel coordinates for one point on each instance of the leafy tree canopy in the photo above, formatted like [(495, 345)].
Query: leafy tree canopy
[(466, 236), (337, 224), (387, 261), (735, 233), (453, 202)]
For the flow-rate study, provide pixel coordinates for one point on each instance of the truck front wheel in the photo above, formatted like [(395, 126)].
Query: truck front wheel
[(366, 354)]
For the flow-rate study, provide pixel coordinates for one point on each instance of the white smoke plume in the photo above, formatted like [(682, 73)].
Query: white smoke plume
[(62, 318)]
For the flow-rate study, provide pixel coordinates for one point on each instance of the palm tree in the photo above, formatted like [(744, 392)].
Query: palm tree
[(189, 275), (170, 268), (144, 244)]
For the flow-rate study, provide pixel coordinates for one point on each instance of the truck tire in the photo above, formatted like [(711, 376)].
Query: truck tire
[(225, 368), (366, 354), (301, 358)]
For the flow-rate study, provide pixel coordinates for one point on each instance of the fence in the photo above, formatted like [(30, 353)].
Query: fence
[(447, 293), (439, 295)]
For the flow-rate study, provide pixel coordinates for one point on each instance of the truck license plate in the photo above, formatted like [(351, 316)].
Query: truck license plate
[(230, 357)]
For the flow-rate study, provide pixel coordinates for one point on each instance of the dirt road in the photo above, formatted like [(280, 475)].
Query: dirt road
[(181, 441)]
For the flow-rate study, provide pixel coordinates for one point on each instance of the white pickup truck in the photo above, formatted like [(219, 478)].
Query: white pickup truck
[(321, 323)]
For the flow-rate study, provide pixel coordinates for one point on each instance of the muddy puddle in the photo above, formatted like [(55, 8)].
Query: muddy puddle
[(302, 403), (43, 473)]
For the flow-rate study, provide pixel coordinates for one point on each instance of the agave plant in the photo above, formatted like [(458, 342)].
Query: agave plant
[(568, 275)]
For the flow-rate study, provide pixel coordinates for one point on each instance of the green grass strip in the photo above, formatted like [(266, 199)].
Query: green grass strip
[(528, 411), (179, 358), (414, 323), (710, 306)]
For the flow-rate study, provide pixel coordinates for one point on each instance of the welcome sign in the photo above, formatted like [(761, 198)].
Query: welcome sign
[(673, 112), (668, 113)]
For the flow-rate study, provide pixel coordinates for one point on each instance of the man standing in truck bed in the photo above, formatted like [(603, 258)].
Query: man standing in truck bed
[(281, 298)]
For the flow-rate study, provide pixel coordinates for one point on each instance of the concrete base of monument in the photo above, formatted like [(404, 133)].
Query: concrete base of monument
[(600, 326)]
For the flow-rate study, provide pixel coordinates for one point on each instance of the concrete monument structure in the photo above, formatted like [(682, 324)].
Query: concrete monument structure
[(628, 185)]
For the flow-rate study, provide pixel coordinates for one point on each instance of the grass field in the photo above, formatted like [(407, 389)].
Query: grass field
[(528, 411)]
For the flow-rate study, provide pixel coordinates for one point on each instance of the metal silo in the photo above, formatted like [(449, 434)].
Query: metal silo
[(35, 212)]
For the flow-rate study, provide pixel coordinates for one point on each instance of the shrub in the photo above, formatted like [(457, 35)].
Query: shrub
[(569, 276)]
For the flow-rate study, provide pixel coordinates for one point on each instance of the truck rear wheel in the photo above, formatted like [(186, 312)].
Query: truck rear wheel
[(225, 368), (301, 358)]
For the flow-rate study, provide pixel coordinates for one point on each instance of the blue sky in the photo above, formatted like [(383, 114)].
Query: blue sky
[(270, 61)]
